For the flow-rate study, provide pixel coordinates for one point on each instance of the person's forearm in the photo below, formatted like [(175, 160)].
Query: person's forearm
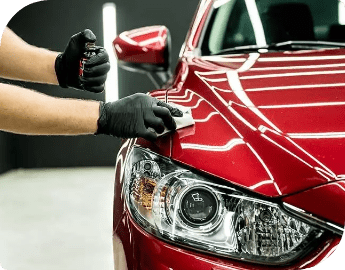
[(21, 61), (25, 111)]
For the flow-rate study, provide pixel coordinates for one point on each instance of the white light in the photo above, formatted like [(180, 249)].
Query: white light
[(220, 3), (256, 22), (109, 34), (341, 12)]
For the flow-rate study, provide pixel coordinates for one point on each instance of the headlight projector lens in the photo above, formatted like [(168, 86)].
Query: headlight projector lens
[(199, 206)]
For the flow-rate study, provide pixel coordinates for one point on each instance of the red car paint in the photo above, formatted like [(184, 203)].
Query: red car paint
[(252, 115), (145, 43), (326, 201), (271, 123)]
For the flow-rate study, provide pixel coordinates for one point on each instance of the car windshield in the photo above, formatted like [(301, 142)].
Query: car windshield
[(247, 25)]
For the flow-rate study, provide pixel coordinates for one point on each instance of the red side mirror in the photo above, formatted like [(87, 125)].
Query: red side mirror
[(144, 48)]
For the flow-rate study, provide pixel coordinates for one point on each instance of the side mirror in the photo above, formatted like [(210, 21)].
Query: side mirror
[(145, 50)]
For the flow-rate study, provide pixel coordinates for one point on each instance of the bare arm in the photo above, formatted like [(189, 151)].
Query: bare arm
[(21, 61), (28, 112), (25, 111)]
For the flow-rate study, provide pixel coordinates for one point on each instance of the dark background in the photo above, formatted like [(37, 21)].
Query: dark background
[(50, 24)]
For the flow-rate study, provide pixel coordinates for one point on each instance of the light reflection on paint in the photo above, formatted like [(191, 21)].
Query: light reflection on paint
[(275, 75), (247, 102), (208, 117), (203, 6), (266, 182), (302, 105), (294, 87), (261, 161), (236, 87), (298, 67), (314, 258), (301, 58), (289, 152), (250, 62), (223, 59), (222, 148), (325, 135)]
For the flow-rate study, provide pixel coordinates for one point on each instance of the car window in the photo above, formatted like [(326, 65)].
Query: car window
[(237, 23)]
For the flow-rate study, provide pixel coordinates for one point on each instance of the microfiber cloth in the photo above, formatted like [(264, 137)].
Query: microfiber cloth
[(183, 121)]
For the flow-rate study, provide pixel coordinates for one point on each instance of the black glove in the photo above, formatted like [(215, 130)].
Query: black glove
[(132, 117), (67, 64)]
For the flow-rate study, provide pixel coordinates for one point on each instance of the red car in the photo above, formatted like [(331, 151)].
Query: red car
[(258, 182)]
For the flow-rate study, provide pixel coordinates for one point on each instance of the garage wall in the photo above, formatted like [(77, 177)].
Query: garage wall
[(50, 24)]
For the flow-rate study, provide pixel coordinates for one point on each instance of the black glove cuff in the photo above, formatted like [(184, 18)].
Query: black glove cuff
[(102, 120), (60, 70)]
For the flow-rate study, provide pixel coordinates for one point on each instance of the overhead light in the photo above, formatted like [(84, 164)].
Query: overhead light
[(341, 12), (109, 34)]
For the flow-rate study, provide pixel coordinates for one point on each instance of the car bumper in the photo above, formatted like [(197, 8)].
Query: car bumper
[(135, 249)]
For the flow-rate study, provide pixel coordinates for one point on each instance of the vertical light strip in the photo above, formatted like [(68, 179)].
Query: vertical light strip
[(109, 34), (256, 22), (341, 12), (219, 3)]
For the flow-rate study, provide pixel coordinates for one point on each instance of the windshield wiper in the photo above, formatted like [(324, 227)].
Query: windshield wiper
[(305, 44), (240, 49), (286, 45)]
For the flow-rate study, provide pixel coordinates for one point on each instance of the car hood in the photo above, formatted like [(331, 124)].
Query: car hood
[(272, 123)]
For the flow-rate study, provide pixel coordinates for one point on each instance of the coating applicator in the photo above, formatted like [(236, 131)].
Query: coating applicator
[(181, 121)]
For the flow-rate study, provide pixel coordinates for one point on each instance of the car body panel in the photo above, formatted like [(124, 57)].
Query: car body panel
[(326, 201), (247, 119)]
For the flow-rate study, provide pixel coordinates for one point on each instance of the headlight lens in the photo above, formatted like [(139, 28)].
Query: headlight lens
[(180, 206)]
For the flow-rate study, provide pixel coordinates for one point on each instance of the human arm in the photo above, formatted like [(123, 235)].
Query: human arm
[(25, 111), (22, 61)]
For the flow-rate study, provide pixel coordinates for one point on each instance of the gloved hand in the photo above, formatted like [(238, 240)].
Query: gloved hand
[(132, 117), (96, 68)]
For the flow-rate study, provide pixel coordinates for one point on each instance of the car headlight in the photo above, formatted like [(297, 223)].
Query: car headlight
[(185, 208)]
